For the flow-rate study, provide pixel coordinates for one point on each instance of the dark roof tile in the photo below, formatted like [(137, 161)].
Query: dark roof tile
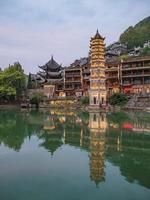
[(52, 64)]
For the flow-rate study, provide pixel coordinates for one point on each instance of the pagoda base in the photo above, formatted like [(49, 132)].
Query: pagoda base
[(96, 109), (97, 98)]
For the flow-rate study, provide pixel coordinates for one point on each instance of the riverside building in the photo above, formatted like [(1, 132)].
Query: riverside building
[(97, 76)]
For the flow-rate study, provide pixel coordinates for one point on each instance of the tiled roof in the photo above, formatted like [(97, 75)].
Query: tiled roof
[(52, 64)]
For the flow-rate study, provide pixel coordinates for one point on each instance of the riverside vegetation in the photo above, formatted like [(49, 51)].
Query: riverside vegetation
[(12, 83)]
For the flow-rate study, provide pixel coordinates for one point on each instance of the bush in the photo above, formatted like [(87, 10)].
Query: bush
[(36, 99), (119, 99), (85, 100)]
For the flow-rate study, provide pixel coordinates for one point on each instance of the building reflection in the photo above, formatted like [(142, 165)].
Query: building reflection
[(97, 126), (128, 146), (52, 132), (90, 136), (49, 123), (126, 137)]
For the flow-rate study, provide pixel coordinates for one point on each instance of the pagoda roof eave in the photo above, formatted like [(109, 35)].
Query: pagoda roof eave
[(54, 80), (42, 67), (94, 38), (51, 65), (97, 36)]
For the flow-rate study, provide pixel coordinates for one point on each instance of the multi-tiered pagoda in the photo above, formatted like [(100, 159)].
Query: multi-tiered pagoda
[(51, 72), (97, 90)]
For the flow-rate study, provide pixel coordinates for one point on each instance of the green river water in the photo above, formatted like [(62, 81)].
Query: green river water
[(66, 155)]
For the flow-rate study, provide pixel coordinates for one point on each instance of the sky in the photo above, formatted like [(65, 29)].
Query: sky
[(31, 31)]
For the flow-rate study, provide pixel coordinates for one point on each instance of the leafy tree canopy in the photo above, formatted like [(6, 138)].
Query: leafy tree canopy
[(118, 99), (12, 81)]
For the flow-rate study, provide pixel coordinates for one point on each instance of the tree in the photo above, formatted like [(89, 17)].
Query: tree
[(7, 93), (146, 51), (118, 99), (36, 99), (29, 85), (85, 100), (12, 81)]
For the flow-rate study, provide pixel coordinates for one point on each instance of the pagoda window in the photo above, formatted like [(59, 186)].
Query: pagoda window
[(94, 100)]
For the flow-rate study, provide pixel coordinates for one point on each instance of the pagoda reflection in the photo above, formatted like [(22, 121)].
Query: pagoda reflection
[(126, 136), (81, 133), (97, 126), (92, 132), (49, 123)]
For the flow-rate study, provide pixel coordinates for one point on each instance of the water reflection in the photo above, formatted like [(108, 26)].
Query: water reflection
[(97, 126), (122, 139)]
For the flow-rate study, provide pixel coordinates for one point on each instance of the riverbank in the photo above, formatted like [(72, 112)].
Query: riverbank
[(76, 107), (145, 109), (9, 106)]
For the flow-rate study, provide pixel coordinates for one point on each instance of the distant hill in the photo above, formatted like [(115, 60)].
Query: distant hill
[(137, 35)]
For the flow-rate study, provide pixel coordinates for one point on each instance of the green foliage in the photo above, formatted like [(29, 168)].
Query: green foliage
[(7, 93), (32, 83), (85, 100), (123, 57), (137, 35), (118, 99), (146, 51), (16, 67), (36, 98), (29, 85), (12, 81), (118, 118)]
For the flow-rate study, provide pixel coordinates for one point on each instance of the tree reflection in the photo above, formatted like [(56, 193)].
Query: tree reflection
[(13, 130), (129, 147), (15, 127), (121, 138)]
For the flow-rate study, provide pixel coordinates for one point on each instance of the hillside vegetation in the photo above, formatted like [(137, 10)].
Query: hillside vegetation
[(137, 35)]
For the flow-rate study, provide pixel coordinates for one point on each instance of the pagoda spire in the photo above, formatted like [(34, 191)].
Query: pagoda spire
[(98, 36)]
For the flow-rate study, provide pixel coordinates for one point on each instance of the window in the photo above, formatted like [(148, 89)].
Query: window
[(94, 100), (94, 118)]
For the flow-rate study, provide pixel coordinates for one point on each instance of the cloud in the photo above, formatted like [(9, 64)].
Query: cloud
[(31, 31)]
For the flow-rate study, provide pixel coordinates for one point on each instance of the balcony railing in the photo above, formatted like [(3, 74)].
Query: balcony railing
[(69, 88), (114, 76), (132, 83), (77, 75), (69, 75), (135, 68), (111, 69), (58, 89), (135, 75), (137, 83), (127, 83), (86, 71), (72, 74), (86, 77), (73, 80)]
